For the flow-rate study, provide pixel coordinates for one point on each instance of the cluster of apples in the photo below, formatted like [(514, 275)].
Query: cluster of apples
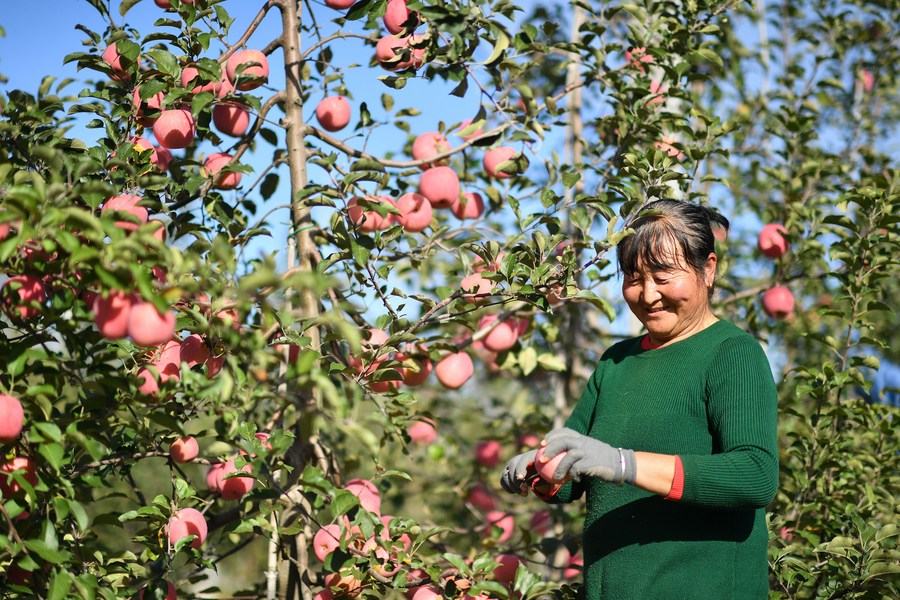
[(439, 187), (174, 126), (330, 537), (777, 301)]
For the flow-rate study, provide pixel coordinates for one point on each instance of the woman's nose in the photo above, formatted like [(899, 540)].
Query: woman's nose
[(649, 292)]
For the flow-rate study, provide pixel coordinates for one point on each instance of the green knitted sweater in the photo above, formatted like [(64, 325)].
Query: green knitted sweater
[(711, 400)]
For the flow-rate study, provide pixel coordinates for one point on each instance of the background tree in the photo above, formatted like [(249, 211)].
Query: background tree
[(194, 390)]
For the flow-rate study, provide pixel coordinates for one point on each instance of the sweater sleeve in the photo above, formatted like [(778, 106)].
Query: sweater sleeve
[(580, 420), (742, 406)]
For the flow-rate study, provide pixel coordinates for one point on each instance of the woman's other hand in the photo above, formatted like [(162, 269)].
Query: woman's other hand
[(586, 456), (513, 479)]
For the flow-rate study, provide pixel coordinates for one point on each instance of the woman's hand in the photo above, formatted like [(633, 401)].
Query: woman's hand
[(517, 469), (586, 456)]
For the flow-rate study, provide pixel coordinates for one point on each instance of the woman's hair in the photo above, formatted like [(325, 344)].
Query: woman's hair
[(664, 225)]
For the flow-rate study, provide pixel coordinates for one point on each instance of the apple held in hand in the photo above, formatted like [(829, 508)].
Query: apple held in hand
[(12, 418), (547, 468), (333, 113)]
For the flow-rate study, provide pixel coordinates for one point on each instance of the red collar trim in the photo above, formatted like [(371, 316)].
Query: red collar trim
[(646, 344)]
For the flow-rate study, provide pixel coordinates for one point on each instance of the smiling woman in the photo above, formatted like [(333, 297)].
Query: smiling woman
[(686, 415)]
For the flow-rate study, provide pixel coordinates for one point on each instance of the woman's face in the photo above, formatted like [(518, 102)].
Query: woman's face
[(673, 303)]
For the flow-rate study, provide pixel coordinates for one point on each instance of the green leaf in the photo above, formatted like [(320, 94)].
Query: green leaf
[(59, 585), (500, 45), (528, 360), (343, 502), (165, 62), (126, 6)]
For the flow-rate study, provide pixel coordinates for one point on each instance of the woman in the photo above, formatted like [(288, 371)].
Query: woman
[(686, 416)]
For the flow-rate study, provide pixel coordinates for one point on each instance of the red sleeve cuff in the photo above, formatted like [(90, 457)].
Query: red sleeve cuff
[(677, 482)]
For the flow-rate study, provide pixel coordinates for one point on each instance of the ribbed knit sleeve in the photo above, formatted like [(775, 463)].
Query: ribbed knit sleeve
[(742, 408)]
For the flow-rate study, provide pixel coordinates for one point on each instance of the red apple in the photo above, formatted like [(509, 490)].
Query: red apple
[(469, 206), (547, 469), (148, 327), (184, 450), (369, 497), (481, 498), (243, 73), (21, 293), (111, 313), (494, 158), (126, 204), (487, 453), (506, 522), (339, 4), (161, 157), (659, 92), (666, 144), (327, 540), (193, 350), (422, 433), (428, 145), (154, 103), (8, 485), (369, 221), (185, 522), (415, 212), (503, 336), (867, 80), (771, 241), (454, 370), (347, 585), (167, 4), (778, 302), (214, 477), (397, 14), (168, 361), (441, 186), (509, 564), (231, 118), (636, 57), (333, 113), (213, 164), (474, 135), (541, 521), (174, 128), (426, 592), (190, 80), (112, 57), (234, 488), (387, 50), (478, 286), (415, 376), (149, 385), (12, 417), (574, 567)]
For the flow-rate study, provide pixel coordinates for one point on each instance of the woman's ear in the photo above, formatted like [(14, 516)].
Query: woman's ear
[(709, 269)]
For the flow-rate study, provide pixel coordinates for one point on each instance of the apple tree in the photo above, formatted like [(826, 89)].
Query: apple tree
[(187, 388)]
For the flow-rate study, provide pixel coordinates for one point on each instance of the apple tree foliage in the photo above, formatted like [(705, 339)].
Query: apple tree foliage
[(780, 112)]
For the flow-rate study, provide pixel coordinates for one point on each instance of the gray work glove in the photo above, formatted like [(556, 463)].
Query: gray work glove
[(520, 467), (588, 457)]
